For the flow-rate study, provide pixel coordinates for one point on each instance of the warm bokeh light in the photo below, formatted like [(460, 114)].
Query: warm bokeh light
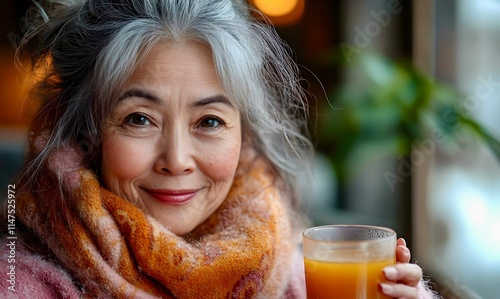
[(281, 12), (276, 8), (18, 108)]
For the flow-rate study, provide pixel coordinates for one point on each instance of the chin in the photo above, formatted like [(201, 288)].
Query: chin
[(176, 226), (180, 231)]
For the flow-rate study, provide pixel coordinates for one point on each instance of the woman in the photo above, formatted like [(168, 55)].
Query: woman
[(164, 161)]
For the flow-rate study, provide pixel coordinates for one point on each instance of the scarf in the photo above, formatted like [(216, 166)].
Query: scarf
[(111, 248)]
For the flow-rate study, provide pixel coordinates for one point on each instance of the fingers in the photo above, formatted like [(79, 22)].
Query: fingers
[(409, 274), (403, 277), (403, 254), (395, 290)]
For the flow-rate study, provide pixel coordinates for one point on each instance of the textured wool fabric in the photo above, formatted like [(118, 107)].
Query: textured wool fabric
[(34, 277), (111, 248), (39, 278)]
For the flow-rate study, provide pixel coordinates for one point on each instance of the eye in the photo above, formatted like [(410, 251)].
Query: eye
[(211, 122), (137, 119)]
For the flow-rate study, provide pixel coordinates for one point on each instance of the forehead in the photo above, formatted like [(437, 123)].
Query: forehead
[(177, 72), (176, 61), (173, 69)]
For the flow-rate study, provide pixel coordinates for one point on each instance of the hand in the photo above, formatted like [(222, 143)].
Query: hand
[(403, 278)]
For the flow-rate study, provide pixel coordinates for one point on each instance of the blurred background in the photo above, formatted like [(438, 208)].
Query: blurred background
[(404, 116)]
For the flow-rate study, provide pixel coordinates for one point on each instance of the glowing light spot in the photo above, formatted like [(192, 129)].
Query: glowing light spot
[(480, 218), (276, 8), (474, 208)]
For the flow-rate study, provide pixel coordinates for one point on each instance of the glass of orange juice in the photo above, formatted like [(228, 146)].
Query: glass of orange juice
[(346, 261)]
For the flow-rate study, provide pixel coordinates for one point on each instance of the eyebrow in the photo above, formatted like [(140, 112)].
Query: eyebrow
[(200, 103), (211, 100), (140, 94)]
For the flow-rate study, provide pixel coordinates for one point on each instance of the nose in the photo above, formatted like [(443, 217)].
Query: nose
[(176, 154)]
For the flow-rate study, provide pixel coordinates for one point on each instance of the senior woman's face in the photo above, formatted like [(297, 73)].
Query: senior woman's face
[(173, 141)]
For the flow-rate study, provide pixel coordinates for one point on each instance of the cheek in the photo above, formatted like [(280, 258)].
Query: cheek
[(116, 158), (221, 167)]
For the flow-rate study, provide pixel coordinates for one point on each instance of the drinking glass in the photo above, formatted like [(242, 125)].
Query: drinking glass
[(346, 261)]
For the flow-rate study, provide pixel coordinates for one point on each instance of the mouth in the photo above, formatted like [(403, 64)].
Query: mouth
[(173, 197)]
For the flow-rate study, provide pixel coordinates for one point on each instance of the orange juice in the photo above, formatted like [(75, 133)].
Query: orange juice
[(345, 280)]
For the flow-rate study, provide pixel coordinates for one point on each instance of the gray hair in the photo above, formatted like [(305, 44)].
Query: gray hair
[(95, 45)]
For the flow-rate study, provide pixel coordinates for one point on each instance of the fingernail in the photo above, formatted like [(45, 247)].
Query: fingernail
[(391, 273), (386, 288)]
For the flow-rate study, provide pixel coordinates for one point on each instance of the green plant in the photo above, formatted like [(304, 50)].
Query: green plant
[(386, 106)]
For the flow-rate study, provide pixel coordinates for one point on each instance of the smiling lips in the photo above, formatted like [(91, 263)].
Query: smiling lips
[(173, 197)]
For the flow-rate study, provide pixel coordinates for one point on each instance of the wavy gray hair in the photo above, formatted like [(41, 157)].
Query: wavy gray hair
[(95, 45)]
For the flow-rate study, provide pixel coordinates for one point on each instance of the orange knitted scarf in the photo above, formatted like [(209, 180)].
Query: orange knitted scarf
[(113, 249)]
